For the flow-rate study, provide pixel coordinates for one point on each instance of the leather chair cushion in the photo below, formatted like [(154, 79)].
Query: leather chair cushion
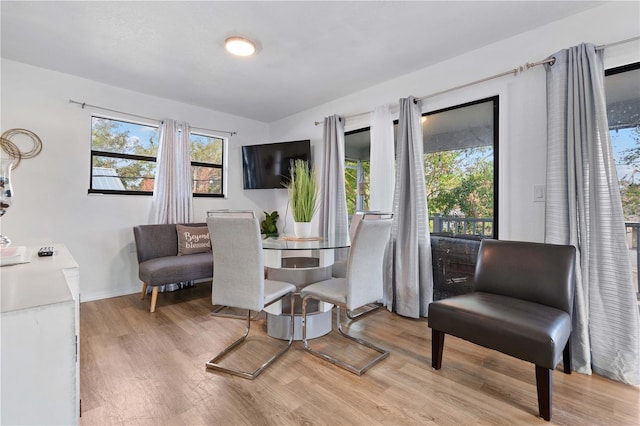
[(525, 330), (172, 269)]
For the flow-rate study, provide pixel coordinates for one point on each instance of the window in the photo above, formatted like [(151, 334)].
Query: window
[(623, 113), (356, 170), (460, 151), (123, 159), (206, 164), (460, 161)]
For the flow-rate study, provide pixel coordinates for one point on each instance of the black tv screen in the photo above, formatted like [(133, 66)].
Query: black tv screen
[(267, 166)]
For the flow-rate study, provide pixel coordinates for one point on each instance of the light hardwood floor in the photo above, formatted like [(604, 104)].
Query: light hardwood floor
[(139, 368)]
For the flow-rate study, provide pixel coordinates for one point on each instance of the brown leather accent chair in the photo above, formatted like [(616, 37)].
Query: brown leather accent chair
[(521, 305)]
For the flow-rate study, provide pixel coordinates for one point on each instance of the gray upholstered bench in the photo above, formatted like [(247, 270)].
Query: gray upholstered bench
[(160, 263)]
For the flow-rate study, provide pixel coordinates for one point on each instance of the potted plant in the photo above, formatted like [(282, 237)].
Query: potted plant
[(303, 197), (269, 226)]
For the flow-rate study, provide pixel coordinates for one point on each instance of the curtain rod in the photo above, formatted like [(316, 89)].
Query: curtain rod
[(514, 71), (616, 43), (84, 104)]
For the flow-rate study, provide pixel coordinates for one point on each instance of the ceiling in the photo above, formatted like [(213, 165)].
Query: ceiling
[(309, 53)]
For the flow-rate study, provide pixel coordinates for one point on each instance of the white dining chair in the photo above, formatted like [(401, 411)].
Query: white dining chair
[(339, 268), (239, 282), (362, 285), (221, 310)]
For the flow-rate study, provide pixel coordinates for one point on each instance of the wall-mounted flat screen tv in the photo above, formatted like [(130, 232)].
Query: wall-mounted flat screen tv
[(267, 166)]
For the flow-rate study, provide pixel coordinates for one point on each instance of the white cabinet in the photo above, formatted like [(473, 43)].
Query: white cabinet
[(39, 352)]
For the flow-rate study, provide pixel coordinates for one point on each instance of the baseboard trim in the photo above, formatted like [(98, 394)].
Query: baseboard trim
[(90, 297), (108, 294)]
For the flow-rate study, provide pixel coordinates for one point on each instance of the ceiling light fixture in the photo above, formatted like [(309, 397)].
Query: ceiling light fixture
[(240, 46)]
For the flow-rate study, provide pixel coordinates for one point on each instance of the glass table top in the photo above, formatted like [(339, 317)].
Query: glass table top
[(292, 243)]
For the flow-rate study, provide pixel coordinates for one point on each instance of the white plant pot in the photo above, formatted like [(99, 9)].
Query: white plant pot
[(302, 229)]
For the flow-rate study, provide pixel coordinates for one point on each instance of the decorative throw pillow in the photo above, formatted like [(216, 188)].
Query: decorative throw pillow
[(193, 239)]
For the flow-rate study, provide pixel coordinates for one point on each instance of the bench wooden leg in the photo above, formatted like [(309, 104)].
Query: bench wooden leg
[(566, 357), (437, 345), (544, 384), (144, 291), (154, 298)]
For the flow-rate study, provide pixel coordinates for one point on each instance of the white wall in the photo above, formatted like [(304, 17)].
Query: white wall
[(522, 158), (51, 200)]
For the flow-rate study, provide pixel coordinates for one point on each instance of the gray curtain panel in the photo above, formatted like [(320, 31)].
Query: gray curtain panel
[(172, 200), (333, 201), (584, 209), (409, 275), (172, 192)]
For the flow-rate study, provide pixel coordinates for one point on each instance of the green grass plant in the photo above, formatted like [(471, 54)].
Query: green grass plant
[(303, 191)]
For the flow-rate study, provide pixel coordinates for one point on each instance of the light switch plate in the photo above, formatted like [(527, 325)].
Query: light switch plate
[(538, 193)]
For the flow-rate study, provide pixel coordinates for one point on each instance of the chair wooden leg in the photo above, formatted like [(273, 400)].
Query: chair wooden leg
[(437, 346), (154, 298), (544, 384), (144, 291), (566, 357)]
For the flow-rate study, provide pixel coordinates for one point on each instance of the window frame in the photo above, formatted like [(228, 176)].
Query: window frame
[(496, 154), (622, 69), (135, 157)]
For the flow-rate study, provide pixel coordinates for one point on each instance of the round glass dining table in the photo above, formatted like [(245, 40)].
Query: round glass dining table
[(321, 248), (300, 262)]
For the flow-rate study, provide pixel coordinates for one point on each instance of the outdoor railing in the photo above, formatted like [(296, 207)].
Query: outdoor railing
[(632, 243), (484, 227), (481, 226)]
